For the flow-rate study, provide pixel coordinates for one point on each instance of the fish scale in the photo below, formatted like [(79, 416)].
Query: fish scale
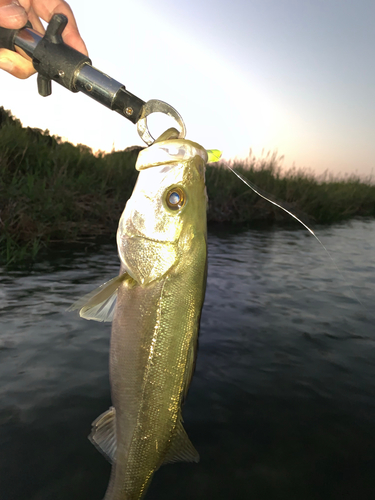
[(163, 377)]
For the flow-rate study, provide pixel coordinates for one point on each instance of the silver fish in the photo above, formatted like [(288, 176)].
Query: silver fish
[(160, 290)]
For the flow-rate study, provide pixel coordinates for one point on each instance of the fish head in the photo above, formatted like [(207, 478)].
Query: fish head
[(166, 211)]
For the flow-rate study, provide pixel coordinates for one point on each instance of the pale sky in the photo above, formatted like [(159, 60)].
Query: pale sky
[(296, 76)]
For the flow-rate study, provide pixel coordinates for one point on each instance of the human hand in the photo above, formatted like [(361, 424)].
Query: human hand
[(14, 14)]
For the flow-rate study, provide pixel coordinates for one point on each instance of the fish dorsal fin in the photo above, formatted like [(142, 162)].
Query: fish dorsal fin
[(181, 449), (103, 434), (99, 305)]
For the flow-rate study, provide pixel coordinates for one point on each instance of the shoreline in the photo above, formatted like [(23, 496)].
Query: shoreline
[(53, 192)]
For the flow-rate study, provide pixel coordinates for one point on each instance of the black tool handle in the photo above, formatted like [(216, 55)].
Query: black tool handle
[(7, 37), (51, 57), (54, 60)]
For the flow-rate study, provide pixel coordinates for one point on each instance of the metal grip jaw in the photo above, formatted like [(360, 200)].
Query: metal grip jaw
[(54, 60)]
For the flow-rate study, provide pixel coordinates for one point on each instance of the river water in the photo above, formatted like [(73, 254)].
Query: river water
[(282, 404)]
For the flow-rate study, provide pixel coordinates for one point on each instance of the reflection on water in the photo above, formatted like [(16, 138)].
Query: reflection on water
[(282, 402)]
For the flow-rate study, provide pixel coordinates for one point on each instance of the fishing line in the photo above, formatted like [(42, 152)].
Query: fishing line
[(215, 154)]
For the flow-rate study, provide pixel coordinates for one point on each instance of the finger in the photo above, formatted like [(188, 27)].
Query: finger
[(35, 21), (12, 15), (73, 38), (71, 34), (15, 64)]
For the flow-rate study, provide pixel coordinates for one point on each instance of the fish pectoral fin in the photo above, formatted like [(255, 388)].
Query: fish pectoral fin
[(181, 449), (99, 305), (103, 434)]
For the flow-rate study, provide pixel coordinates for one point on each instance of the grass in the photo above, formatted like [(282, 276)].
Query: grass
[(52, 192), (316, 200)]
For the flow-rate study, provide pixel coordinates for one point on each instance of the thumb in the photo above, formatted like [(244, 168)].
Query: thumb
[(12, 15)]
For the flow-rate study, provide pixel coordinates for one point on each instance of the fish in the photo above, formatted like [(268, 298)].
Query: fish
[(155, 305)]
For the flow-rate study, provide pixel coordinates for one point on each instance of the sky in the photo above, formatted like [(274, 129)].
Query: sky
[(296, 77)]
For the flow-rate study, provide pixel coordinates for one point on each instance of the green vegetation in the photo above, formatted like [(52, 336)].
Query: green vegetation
[(52, 192), (314, 200)]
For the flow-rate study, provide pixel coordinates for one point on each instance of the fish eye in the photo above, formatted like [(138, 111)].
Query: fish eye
[(175, 198)]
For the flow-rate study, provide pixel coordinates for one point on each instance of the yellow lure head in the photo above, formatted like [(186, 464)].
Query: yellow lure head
[(213, 155)]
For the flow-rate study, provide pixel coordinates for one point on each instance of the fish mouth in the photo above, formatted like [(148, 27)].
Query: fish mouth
[(170, 151)]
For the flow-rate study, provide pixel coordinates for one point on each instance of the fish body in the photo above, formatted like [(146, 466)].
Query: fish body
[(160, 291)]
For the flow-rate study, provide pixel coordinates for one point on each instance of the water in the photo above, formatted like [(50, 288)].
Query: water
[(282, 404)]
